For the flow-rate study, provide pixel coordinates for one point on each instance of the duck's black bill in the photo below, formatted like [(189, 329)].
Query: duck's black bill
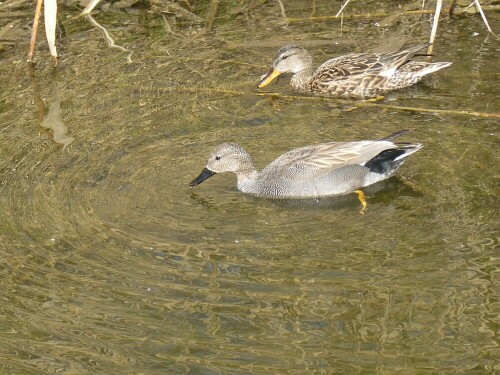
[(206, 173)]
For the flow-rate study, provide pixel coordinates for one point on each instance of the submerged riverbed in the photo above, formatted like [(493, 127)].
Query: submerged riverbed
[(110, 263)]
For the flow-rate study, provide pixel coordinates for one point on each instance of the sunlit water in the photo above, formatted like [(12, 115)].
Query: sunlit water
[(110, 263)]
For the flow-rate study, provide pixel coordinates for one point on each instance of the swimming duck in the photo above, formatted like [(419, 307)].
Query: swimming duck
[(313, 171), (352, 75)]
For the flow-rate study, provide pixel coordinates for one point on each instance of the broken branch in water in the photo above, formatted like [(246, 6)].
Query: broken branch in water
[(211, 13), (90, 6), (342, 8), (109, 39), (352, 103), (461, 112), (437, 13), (34, 32), (483, 16), (356, 16), (50, 19), (368, 103)]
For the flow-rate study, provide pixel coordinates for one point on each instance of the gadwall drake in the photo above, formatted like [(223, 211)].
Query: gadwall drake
[(353, 75), (312, 171)]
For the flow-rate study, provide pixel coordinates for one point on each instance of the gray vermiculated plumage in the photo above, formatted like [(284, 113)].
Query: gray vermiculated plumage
[(356, 74), (312, 171)]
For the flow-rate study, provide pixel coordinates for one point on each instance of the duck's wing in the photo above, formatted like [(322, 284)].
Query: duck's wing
[(357, 65), (318, 160), (348, 66)]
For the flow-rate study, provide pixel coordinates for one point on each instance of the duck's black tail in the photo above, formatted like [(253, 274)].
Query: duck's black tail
[(388, 161)]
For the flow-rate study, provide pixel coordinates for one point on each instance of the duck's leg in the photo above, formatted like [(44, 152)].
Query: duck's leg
[(362, 199)]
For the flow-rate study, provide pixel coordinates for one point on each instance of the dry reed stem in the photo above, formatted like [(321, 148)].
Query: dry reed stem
[(342, 8), (168, 27), (109, 39), (282, 8), (452, 7), (90, 6), (368, 103), (461, 112), (437, 13), (352, 103), (361, 15), (34, 32), (50, 20), (483, 16), (211, 13)]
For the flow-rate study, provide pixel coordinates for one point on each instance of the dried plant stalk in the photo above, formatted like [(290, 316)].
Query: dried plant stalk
[(50, 17), (352, 103), (342, 8), (360, 16), (109, 39), (90, 6), (34, 32), (483, 16), (437, 13), (211, 13)]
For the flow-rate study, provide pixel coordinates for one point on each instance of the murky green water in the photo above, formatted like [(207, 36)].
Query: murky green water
[(109, 263)]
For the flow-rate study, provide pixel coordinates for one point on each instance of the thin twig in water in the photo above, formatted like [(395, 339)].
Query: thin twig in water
[(34, 32), (483, 16), (211, 13), (367, 103), (422, 8), (341, 23), (342, 8), (282, 7), (90, 6), (439, 4), (109, 39), (360, 16), (452, 7), (355, 104), (168, 28), (462, 112), (50, 19), (313, 7)]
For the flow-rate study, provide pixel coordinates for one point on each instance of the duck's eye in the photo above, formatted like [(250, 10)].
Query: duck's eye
[(284, 57), (217, 158)]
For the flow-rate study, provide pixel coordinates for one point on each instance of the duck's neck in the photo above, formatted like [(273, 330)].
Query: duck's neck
[(301, 80), (247, 179)]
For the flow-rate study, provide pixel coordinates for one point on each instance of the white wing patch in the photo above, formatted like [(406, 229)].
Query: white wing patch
[(388, 72)]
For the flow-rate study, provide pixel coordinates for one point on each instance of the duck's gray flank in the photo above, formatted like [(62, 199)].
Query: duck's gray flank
[(312, 171)]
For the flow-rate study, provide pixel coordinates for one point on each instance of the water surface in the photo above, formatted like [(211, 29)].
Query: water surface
[(110, 263)]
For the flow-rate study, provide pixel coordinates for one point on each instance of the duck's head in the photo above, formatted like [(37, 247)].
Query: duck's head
[(226, 157), (289, 59)]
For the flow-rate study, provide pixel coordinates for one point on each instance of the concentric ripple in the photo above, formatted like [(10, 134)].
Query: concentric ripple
[(110, 263)]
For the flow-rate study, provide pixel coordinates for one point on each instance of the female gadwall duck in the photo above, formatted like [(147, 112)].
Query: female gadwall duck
[(312, 171), (356, 74)]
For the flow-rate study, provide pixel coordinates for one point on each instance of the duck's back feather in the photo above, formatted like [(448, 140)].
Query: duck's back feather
[(316, 161)]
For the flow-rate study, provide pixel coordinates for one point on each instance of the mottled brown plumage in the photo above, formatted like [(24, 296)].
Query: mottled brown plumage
[(356, 74)]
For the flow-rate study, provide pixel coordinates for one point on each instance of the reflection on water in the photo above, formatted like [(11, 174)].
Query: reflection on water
[(53, 119), (111, 263)]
